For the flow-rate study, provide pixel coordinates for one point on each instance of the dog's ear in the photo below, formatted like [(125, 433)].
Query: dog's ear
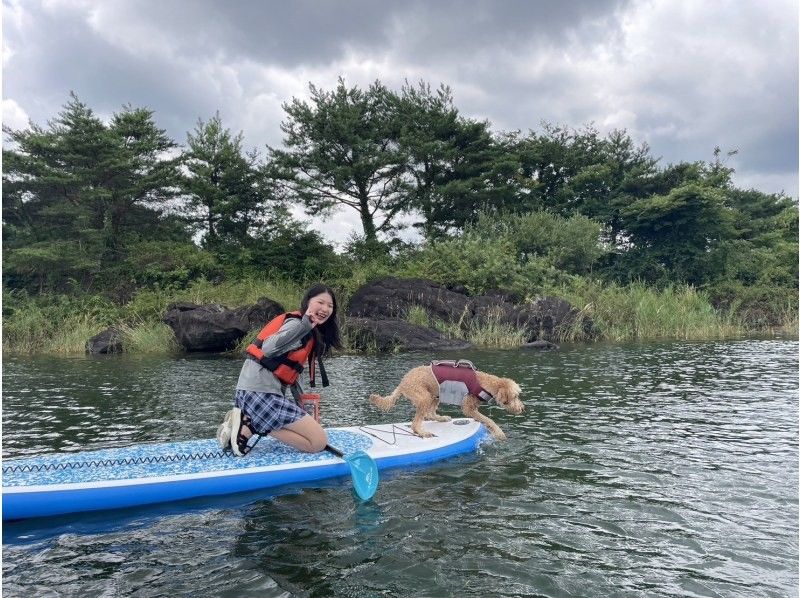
[(500, 395), (508, 391), (505, 392)]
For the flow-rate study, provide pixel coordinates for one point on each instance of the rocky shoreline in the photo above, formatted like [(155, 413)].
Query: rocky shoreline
[(376, 319)]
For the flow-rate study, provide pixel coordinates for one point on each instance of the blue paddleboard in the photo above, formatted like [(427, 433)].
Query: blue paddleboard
[(143, 474)]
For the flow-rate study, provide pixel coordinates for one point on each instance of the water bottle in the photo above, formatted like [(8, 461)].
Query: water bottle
[(310, 404)]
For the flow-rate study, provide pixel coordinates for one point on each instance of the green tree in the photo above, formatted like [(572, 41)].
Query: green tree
[(550, 160), (341, 150), (457, 167), (76, 193), (140, 176), (763, 249), (579, 171), (675, 235), (224, 193), (619, 174)]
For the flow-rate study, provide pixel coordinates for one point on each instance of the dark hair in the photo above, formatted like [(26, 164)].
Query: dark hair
[(327, 334)]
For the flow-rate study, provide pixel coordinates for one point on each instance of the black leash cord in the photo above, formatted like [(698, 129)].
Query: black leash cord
[(113, 462)]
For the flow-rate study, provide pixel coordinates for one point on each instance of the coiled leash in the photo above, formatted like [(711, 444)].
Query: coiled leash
[(113, 462)]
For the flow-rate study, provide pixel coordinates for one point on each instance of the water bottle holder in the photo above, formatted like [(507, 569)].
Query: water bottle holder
[(310, 404)]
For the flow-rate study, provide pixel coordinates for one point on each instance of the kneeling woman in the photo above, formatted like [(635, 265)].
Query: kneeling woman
[(275, 361)]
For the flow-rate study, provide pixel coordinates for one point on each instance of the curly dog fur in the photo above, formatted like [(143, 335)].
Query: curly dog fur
[(420, 387)]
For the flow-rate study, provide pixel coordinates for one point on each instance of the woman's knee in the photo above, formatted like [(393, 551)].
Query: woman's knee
[(313, 437), (318, 441)]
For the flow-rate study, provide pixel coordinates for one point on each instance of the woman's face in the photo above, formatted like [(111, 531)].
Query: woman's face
[(320, 308)]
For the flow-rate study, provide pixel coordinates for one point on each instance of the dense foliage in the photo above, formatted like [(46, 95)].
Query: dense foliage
[(114, 209)]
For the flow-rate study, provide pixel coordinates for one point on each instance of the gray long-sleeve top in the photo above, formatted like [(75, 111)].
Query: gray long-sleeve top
[(258, 378)]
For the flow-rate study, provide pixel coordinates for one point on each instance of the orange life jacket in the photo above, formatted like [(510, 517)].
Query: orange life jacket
[(287, 367)]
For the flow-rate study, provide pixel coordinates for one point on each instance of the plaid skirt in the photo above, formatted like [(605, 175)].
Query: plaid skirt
[(267, 411)]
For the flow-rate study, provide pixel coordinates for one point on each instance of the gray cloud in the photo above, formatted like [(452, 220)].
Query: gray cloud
[(682, 76)]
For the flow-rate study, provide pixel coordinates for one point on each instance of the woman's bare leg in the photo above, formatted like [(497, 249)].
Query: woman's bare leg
[(305, 435)]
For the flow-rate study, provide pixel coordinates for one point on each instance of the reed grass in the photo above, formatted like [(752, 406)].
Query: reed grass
[(148, 337), (62, 325), (492, 333), (636, 312), (18, 330), (354, 341), (152, 304), (418, 316), (70, 338), (33, 330), (489, 333)]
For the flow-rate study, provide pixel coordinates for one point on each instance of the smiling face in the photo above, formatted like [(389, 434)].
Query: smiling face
[(320, 308)]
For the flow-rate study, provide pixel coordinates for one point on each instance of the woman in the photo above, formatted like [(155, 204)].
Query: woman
[(274, 363)]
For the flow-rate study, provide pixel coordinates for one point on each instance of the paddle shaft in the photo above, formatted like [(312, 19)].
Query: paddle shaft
[(335, 451)]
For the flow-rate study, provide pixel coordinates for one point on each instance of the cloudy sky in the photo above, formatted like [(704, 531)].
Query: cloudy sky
[(683, 76)]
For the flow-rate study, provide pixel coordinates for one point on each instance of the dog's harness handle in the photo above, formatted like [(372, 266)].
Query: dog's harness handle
[(472, 385)]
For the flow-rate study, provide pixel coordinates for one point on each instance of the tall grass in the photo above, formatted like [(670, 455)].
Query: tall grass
[(489, 333), (152, 304), (148, 337), (59, 327), (72, 336), (418, 316), (62, 325), (789, 323), (18, 329), (495, 334), (636, 312)]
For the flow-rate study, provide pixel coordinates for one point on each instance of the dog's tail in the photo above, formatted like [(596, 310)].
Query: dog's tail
[(385, 403)]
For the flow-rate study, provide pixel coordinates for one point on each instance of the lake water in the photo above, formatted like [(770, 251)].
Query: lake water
[(658, 469)]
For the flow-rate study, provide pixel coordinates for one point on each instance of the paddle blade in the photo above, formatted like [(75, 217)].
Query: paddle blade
[(365, 474)]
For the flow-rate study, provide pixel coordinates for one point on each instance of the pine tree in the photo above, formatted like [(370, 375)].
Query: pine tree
[(75, 193), (341, 150), (457, 168)]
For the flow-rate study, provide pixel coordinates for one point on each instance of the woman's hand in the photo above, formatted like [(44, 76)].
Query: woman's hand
[(319, 309), (311, 318)]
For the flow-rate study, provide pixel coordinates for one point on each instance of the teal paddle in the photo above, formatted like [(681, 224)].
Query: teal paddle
[(363, 470)]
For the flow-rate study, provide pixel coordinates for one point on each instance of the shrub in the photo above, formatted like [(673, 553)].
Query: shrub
[(475, 263)]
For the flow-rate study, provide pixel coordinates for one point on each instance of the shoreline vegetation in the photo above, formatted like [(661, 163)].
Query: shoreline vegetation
[(108, 221), (61, 324)]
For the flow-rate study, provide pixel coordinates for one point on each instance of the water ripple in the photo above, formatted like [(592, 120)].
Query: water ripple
[(656, 469)]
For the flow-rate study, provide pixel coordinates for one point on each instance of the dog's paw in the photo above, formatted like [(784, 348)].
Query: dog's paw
[(499, 435), (438, 418), (423, 434)]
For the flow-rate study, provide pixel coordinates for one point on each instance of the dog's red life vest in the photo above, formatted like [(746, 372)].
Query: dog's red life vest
[(457, 380), (286, 367)]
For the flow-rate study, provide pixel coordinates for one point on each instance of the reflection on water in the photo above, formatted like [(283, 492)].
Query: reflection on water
[(656, 469)]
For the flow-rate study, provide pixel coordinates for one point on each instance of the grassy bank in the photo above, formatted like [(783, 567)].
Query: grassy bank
[(61, 324), (637, 312)]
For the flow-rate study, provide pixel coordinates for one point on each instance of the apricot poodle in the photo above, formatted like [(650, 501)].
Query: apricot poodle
[(421, 387)]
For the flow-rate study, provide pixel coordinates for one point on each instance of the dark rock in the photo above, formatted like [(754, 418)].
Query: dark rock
[(394, 297), (255, 316), (214, 327), (540, 346), (391, 334), (547, 318), (457, 288), (108, 341), (504, 295)]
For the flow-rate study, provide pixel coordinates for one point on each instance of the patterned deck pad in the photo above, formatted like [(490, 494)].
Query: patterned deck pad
[(164, 459)]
